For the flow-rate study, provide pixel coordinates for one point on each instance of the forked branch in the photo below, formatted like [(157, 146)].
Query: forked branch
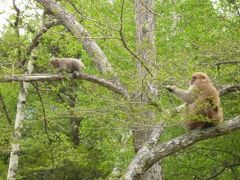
[(144, 160)]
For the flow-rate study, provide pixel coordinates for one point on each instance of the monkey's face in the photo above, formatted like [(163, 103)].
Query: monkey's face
[(198, 78)]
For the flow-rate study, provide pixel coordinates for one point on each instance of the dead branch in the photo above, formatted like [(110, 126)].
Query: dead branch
[(49, 77), (16, 28), (226, 62), (17, 19), (99, 23), (228, 166), (144, 160), (229, 89), (35, 85)]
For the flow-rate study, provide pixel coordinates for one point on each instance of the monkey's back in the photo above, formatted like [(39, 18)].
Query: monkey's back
[(206, 107), (73, 64)]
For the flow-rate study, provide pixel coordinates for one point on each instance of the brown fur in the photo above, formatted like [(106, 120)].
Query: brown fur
[(203, 107), (67, 64)]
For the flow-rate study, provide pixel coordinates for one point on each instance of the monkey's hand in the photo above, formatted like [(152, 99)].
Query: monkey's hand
[(170, 88)]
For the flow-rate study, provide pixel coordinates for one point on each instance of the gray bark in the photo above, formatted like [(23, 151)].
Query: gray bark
[(13, 160), (145, 35), (144, 160), (49, 77), (14, 155), (229, 89), (146, 50), (175, 19)]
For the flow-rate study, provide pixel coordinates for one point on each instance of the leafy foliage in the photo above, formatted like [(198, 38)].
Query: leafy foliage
[(190, 36)]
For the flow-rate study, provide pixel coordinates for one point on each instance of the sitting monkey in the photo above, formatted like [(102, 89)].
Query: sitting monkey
[(202, 100), (67, 64)]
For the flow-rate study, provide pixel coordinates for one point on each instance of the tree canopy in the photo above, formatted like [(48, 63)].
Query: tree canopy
[(84, 126)]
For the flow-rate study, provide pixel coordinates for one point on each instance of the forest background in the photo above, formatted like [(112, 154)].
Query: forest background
[(90, 127)]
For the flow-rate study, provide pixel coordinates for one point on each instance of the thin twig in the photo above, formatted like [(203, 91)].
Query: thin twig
[(90, 19), (150, 10), (16, 28), (4, 108), (226, 62), (222, 170), (125, 43), (233, 2), (35, 85), (35, 41), (107, 37)]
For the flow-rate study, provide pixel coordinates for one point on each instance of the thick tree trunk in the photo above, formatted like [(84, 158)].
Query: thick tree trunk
[(13, 161), (14, 155), (146, 50)]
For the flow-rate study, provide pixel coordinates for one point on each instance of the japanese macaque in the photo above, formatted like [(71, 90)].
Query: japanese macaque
[(67, 64), (202, 100)]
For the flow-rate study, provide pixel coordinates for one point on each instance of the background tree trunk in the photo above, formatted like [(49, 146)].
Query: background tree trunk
[(13, 160), (15, 149), (146, 50)]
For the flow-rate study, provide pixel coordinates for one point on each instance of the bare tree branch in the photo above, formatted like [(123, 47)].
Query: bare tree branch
[(35, 40), (89, 45), (84, 17), (142, 162), (153, 138), (234, 3), (146, 90), (16, 28), (157, 132), (17, 20), (226, 62), (229, 89), (48, 77), (222, 170), (72, 24), (15, 146), (35, 85)]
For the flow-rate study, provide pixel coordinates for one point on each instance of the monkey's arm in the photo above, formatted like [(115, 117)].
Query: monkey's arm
[(186, 96)]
